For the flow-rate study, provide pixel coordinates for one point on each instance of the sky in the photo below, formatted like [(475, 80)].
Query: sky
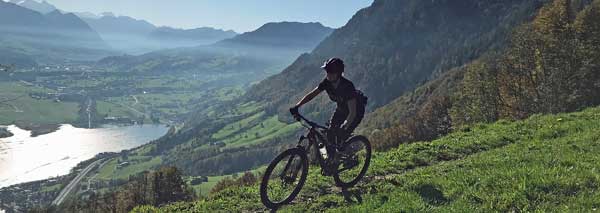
[(238, 15)]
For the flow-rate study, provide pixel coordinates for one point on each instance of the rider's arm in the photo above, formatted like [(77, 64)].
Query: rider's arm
[(352, 111), (308, 97)]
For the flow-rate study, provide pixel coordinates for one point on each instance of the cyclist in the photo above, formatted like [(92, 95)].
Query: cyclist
[(350, 102)]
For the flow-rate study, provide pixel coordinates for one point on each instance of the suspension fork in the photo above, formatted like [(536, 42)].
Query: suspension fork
[(296, 168)]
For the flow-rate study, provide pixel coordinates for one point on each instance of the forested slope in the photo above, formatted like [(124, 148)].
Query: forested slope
[(549, 65)]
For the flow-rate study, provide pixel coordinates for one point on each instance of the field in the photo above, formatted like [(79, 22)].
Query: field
[(25, 109), (164, 98), (111, 171), (204, 188), (544, 163)]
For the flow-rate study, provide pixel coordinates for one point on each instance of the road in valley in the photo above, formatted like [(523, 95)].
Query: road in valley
[(72, 185)]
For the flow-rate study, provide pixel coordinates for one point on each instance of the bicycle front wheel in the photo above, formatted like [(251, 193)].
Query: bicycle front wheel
[(354, 158), (284, 178)]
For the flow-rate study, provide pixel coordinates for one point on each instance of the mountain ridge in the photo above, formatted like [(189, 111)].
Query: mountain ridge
[(138, 36), (44, 34), (42, 7), (282, 34), (241, 47)]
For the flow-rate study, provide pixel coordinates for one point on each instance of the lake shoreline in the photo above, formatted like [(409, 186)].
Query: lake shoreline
[(67, 147), (43, 129), (4, 133), (38, 129)]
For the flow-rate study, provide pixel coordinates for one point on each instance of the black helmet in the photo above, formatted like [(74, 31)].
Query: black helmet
[(334, 65)]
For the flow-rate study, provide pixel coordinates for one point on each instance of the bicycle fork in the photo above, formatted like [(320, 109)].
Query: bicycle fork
[(296, 169)]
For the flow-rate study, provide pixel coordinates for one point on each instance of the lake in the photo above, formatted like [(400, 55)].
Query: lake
[(24, 158)]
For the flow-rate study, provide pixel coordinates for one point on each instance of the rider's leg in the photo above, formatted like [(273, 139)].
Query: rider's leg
[(349, 128), (351, 160), (338, 118)]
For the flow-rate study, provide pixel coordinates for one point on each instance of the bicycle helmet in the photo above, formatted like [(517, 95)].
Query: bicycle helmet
[(333, 65)]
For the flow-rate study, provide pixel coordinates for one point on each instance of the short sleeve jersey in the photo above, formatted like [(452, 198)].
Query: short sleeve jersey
[(342, 93)]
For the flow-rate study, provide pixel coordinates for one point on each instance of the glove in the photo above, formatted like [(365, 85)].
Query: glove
[(295, 113)]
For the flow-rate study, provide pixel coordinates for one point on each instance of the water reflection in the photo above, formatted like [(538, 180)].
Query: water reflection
[(24, 158)]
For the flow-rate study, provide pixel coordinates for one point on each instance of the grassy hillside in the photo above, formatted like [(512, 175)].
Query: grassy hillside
[(544, 163)]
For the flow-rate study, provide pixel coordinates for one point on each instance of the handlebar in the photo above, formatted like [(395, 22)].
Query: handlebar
[(310, 123)]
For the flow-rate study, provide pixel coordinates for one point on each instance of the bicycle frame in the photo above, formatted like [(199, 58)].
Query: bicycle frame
[(337, 155), (312, 136)]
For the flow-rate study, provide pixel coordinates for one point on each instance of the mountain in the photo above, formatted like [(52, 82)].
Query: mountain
[(250, 54), (197, 36), (136, 36), (392, 47), (51, 36), (41, 7), (84, 15), (123, 33), (109, 24), (282, 34)]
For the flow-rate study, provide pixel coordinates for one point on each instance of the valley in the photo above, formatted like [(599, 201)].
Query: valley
[(473, 106), (177, 88), (61, 93)]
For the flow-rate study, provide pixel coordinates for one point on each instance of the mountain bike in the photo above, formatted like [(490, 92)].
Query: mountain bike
[(286, 174)]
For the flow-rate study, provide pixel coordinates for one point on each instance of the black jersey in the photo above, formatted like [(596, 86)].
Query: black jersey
[(341, 94)]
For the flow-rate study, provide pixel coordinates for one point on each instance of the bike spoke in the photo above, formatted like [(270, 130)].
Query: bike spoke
[(284, 178)]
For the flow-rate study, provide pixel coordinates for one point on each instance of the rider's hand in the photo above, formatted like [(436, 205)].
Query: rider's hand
[(295, 113)]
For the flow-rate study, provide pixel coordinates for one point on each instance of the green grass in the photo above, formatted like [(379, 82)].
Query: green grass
[(232, 128), (254, 130), (248, 107), (545, 164), (258, 134), (28, 110), (228, 94), (113, 110), (111, 172), (204, 189), (51, 188)]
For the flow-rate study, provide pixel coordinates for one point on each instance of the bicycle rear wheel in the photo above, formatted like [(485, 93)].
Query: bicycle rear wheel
[(284, 178), (354, 158)]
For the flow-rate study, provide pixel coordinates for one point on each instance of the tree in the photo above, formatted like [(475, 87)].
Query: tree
[(478, 99), (538, 72), (587, 32)]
